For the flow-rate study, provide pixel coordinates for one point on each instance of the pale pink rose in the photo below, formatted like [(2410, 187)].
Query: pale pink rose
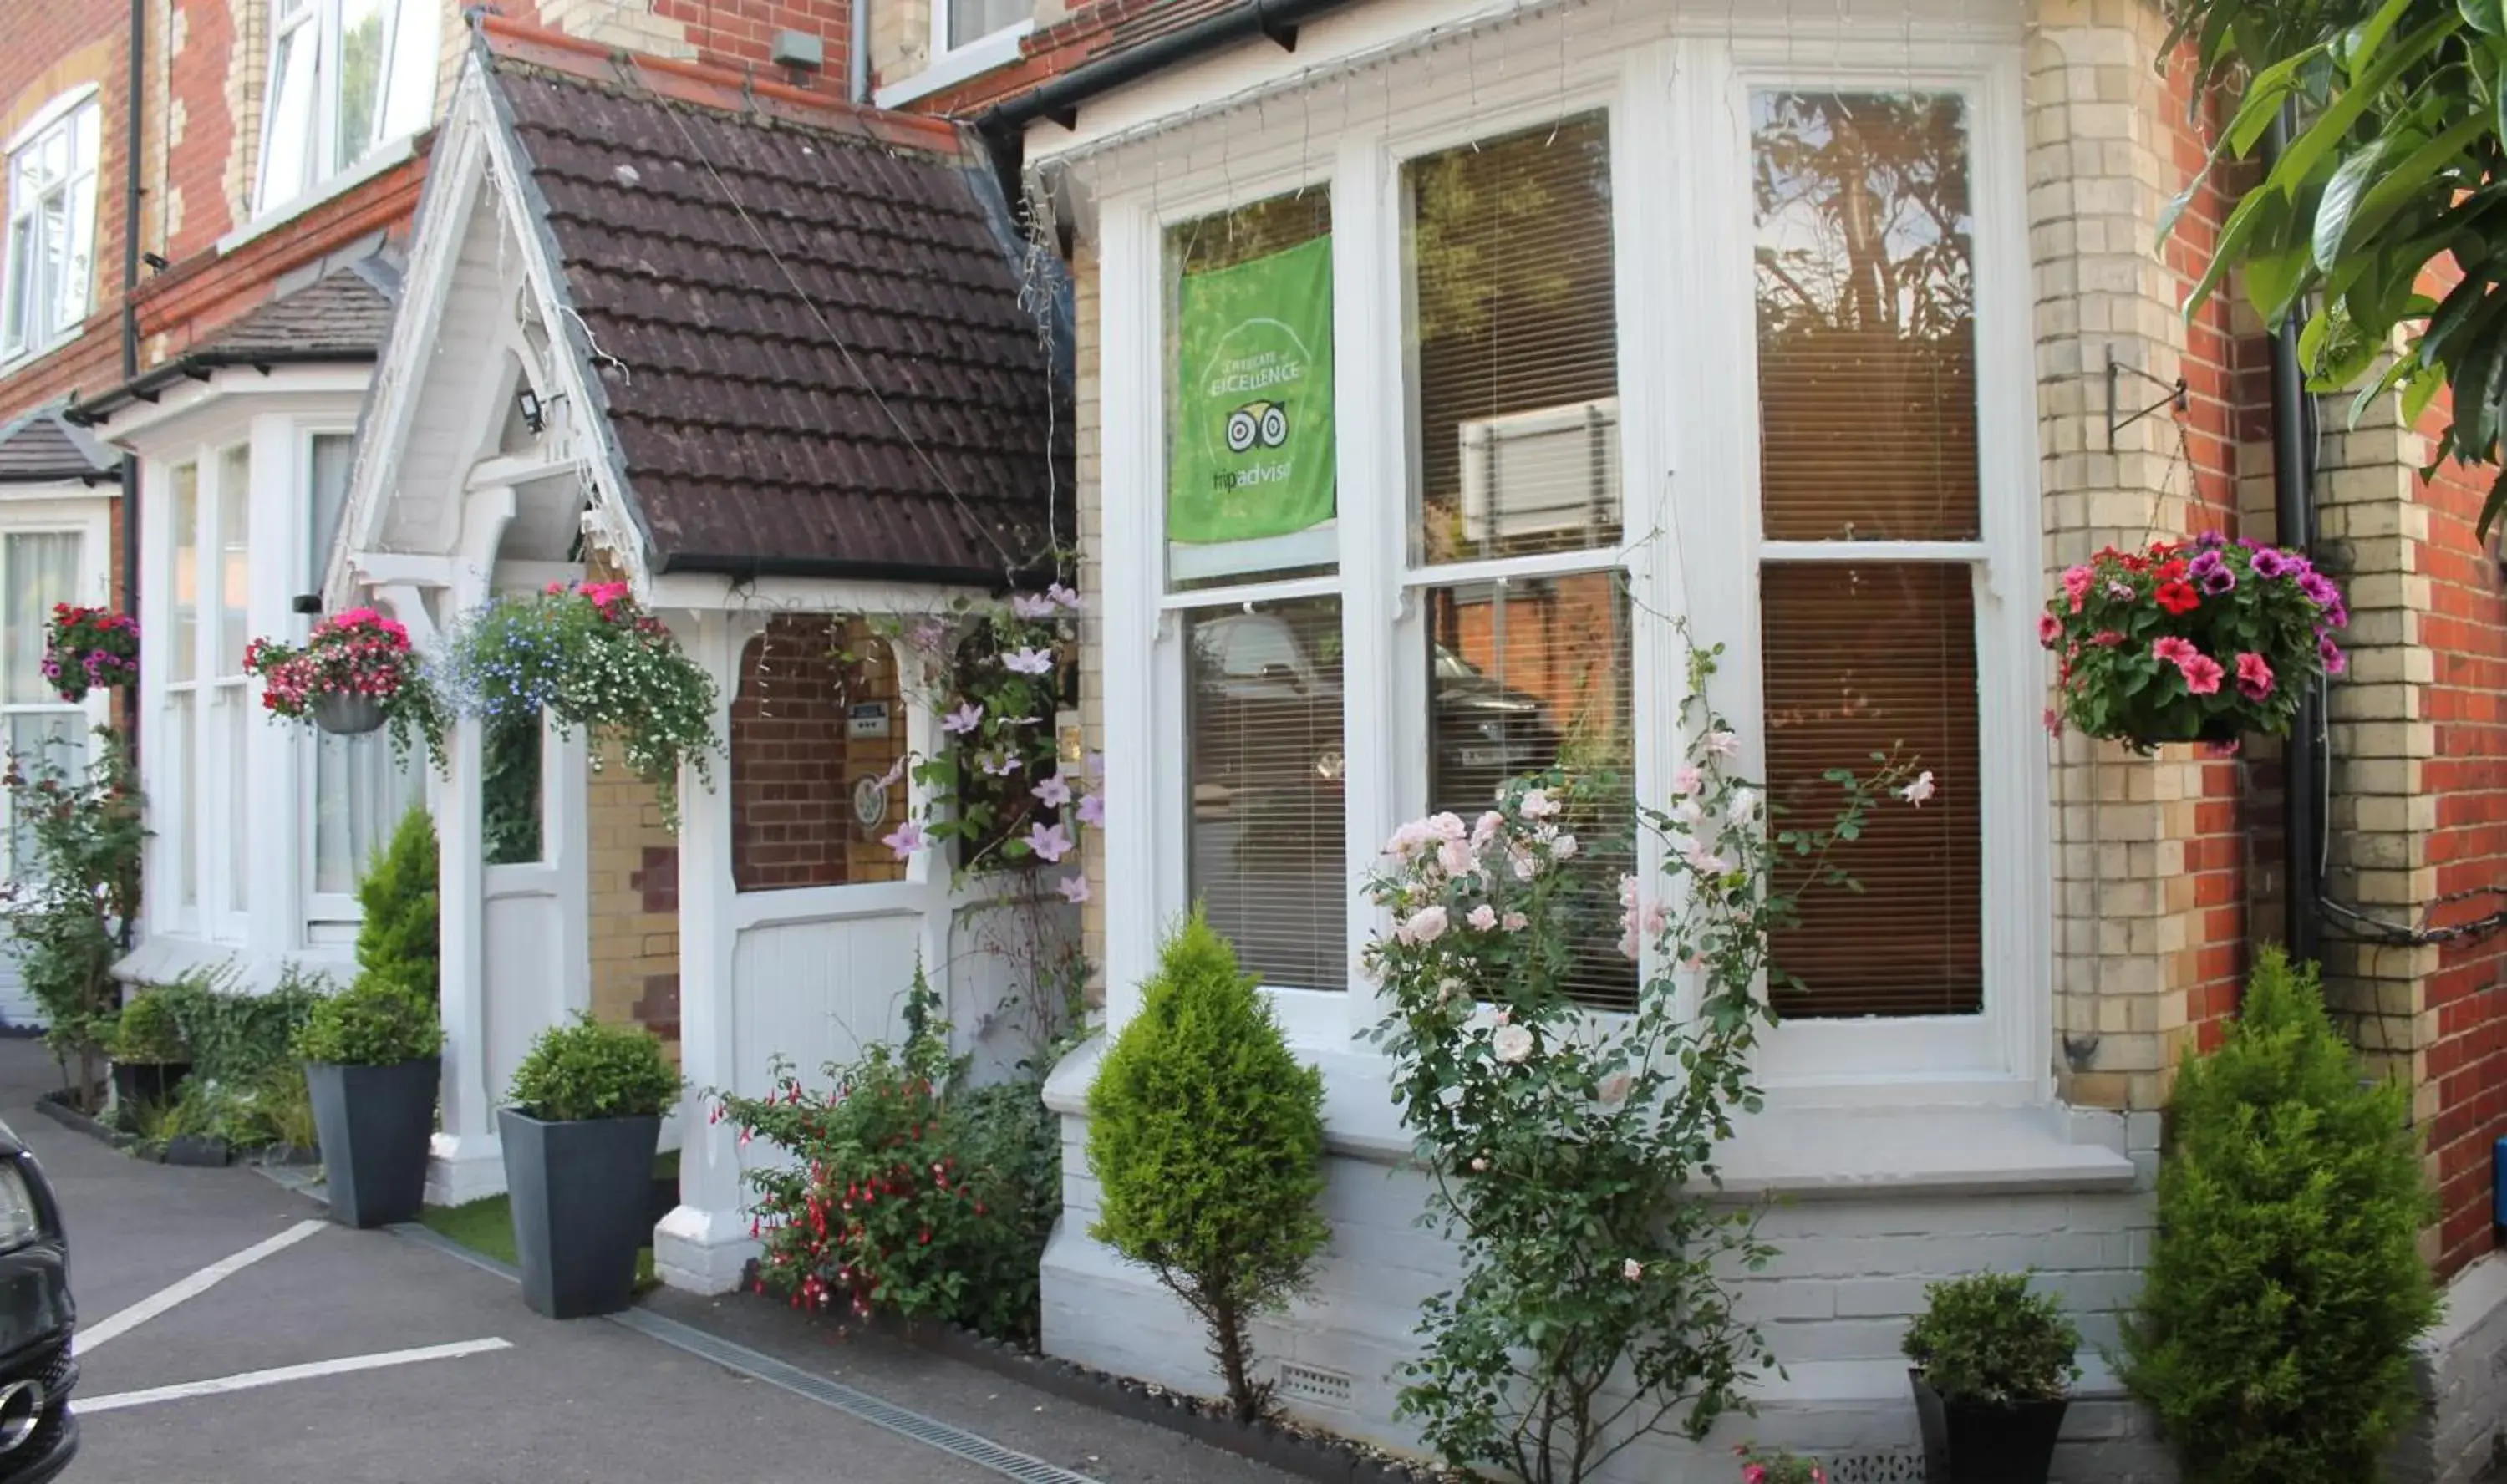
[(1919, 792), (1514, 922), (1510, 1044), (1538, 805), (1482, 918), (1687, 779), (1426, 926), (1563, 847), (1632, 1270), (1485, 829), (1722, 744), (1614, 1090), (1456, 856)]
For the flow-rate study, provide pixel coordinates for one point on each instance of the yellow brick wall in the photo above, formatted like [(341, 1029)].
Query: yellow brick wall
[(631, 947)]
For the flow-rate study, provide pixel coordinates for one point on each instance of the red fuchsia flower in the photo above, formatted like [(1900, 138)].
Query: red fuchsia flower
[(2254, 677), (2173, 650), (2177, 596), (2202, 674)]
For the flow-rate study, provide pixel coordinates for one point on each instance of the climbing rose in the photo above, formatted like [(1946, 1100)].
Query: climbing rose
[(1482, 918), (1510, 1044), (1920, 791), (1426, 926)]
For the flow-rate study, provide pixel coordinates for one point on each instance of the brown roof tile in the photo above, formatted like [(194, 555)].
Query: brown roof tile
[(42, 448), (809, 329)]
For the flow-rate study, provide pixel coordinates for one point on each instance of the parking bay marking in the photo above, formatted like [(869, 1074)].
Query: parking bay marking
[(199, 1283), (249, 1379)]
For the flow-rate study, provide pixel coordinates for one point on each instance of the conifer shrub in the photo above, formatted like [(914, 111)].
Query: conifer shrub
[(397, 940), (1206, 1134), (2273, 1335)]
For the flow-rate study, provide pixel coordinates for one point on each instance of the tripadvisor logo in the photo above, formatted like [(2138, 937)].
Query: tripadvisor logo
[(1263, 422)]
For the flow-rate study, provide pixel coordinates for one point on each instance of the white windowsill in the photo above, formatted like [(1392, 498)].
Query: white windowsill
[(164, 957), (1836, 1152), (387, 155), (950, 69)]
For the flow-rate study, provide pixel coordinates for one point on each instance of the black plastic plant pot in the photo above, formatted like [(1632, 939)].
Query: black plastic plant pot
[(581, 1196), (375, 1124), (1968, 1442), (150, 1083)]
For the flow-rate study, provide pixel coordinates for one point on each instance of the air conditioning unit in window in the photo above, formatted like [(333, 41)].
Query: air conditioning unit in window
[(1551, 470)]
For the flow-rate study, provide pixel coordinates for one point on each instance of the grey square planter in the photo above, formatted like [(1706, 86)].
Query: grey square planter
[(375, 1124), (580, 1193)]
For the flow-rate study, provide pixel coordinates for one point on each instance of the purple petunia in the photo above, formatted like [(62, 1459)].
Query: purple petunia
[(2319, 590), (2270, 562), (2210, 540), (2211, 574), (2335, 661)]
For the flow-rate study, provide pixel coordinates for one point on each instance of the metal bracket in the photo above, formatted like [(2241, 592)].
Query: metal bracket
[(2118, 419)]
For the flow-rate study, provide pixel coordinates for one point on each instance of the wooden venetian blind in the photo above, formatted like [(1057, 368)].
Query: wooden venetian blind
[(1867, 421), (1515, 343), (1266, 842)]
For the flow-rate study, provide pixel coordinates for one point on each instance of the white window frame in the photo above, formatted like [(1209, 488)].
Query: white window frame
[(1687, 336), (196, 810), (89, 519), (332, 164), (996, 46), (37, 332)]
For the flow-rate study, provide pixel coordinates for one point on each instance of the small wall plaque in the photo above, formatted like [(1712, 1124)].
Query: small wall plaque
[(870, 801), (869, 718)]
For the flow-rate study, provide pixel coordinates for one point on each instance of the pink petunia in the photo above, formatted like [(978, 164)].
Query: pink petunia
[(2107, 638), (2202, 674), (2049, 629), (2254, 677), (2174, 650)]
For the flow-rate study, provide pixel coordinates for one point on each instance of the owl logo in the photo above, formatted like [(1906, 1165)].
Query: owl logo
[(1263, 422)]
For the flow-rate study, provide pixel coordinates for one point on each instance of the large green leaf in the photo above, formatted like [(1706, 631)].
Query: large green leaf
[(2342, 195), (2325, 132)]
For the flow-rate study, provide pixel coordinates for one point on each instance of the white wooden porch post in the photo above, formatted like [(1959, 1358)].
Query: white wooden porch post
[(466, 1161), (704, 1242)]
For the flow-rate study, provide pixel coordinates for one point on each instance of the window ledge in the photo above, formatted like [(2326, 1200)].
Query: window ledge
[(164, 957), (950, 69), (1807, 1153), (387, 155)]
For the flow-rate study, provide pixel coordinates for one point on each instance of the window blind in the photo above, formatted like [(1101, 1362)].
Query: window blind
[(1267, 846), (1513, 343)]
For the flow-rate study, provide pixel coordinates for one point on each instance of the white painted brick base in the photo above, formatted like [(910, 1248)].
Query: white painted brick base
[(2463, 1436)]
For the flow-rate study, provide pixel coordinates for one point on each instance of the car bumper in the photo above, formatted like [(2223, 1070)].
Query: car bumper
[(54, 1443)]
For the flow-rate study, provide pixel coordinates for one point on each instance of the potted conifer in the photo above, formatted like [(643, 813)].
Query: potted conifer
[(579, 1143), (149, 1058), (1993, 1369), (372, 1057)]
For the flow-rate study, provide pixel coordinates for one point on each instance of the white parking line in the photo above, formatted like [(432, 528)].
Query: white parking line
[(199, 1283), (247, 1380)]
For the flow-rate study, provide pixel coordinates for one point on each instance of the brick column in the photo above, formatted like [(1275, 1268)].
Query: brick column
[(2149, 870)]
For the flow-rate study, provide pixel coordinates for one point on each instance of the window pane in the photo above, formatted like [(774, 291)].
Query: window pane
[(361, 78), (52, 259), (332, 454), (360, 792), (409, 84), (1264, 740), (975, 19), (72, 292), (1251, 479), (17, 284), (186, 635), (1514, 344), (1529, 674), (1867, 336), (40, 570), (287, 137), (50, 742), (182, 829), (235, 703), (1862, 659), (234, 558)]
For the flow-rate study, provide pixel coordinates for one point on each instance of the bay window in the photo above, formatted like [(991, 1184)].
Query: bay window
[(48, 249), (358, 789), (346, 77), (1448, 435), (205, 825), (44, 735)]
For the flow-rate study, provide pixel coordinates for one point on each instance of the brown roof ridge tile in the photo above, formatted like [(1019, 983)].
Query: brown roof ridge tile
[(720, 89)]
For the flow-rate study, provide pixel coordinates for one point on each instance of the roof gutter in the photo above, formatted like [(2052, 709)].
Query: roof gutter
[(197, 367), (1004, 125), (740, 570)]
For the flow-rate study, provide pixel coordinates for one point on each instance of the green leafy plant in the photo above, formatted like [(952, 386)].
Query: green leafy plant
[(242, 1039), (74, 894), (588, 1069), (1984, 1338), (903, 1194), (509, 790), (1572, 1157), (1206, 1136), (374, 1022), (398, 941), (590, 657), (2381, 217), (150, 1031), (2273, 1335)]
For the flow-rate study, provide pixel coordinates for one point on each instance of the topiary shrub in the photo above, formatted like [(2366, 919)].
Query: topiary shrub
[(2273, 1335), (589, 1070), (397, 940), (150, 1032), (1206, 1134), (1986, 1339), (374, 1022)]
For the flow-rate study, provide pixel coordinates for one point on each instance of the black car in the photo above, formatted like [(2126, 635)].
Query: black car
[(38, 1436)]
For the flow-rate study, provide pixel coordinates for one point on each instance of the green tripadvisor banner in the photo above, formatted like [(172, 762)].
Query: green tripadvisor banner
[(1252, 417)]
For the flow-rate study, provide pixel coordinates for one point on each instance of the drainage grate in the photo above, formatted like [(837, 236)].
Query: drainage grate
[(957, 1441), (1312, 1384), (1894, 1468)]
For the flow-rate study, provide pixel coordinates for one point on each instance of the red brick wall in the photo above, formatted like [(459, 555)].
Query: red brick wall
[(793, 766), (52, 47)]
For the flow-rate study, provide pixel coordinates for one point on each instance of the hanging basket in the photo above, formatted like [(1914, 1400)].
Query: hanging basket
[(344, 713)]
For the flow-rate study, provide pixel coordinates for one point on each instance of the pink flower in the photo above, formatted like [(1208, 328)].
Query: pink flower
[(1920, 791), (2076, 584), (2054, 720), (2335, 661), (2173, 650), (1048, 842), (2254, 677), (1073, 888), (905, 838), (1456, 856), (1632, 1270), (2202, 674), (1485, 828), (1687, 779), (1064, 597), (1426, 926), (1514, 922), (1538, 805), (2049, 629), (1722, 744), (1756, 1473), (895, 771), (1482, 918), (2107, 638)]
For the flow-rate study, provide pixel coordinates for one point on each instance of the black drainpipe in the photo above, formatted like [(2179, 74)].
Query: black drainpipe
[(1004, 125), (2294, 505), (130, 348)]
